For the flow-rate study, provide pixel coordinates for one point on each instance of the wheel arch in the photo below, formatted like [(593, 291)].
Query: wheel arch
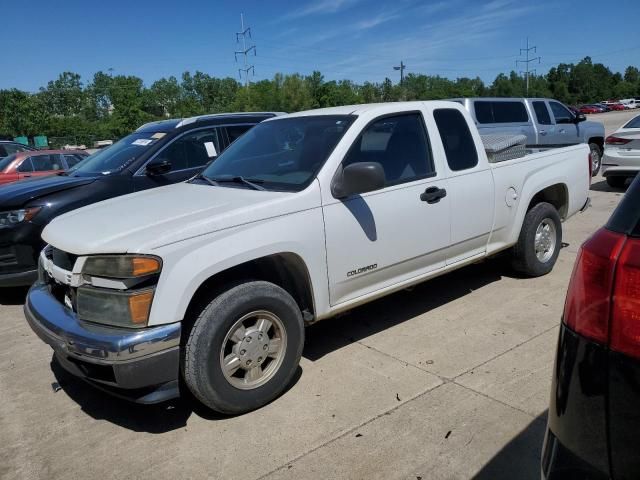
[(285, 269), (556, 194)]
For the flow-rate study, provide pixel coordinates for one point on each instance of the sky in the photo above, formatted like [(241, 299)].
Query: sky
[(354, 39)]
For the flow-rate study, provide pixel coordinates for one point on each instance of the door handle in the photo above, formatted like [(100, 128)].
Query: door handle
[(543, 132), (433, 194), (27, 176)]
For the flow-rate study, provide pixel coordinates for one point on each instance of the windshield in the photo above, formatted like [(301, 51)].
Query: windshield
[(283, 154), (117, 156), (634, 123), (6, 161)]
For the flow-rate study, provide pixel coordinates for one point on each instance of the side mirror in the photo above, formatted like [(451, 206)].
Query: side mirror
[(579, 118), (158, 167), (360, 177)]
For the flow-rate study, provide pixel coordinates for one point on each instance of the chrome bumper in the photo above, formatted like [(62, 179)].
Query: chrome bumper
[(118, 359)]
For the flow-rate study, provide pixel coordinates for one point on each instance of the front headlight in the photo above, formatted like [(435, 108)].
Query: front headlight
[(121, 266), (14, 217), (121, 291), (112, 307)]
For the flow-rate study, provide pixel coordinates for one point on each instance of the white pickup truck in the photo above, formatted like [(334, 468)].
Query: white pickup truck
[(209, 283)]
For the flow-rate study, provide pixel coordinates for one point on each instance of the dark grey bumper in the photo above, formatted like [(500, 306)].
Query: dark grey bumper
[(141, 365)]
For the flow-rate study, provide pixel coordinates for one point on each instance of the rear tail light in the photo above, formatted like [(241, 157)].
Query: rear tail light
[(625, 315), (613, 140), (590, 160), (603, 300), (587, 307)]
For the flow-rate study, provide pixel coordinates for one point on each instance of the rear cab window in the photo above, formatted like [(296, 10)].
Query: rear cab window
[(542, 112), (495, 111), (459, 147)]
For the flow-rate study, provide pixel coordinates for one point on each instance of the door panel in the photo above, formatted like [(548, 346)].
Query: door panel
[(563, 133), (380, 239), (470, 185)]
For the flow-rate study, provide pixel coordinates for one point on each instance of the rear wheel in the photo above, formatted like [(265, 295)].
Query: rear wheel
[(616, 182), (540, 240), (244, 348), (596, 158)]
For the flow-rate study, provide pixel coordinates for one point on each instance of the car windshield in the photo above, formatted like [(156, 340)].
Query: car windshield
[(116, 157), (283, 154), (634, 123), (6, 161)]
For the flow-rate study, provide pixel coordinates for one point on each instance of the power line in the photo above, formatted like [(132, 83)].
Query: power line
[(527, 61), (244, 33)]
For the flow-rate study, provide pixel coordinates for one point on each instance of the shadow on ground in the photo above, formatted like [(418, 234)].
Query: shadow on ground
[(603, 186), (160, 418), (13, 295), (374, 317), (520, 458)]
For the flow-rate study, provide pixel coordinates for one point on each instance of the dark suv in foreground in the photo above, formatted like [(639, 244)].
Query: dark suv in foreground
[(594, 413), (157, 154)]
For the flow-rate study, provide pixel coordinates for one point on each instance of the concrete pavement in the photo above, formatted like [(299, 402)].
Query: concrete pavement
[(448, 380)]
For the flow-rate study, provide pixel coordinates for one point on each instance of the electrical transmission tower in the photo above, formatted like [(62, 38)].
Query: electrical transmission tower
[(527, 62), (401, 67), (244, 33)]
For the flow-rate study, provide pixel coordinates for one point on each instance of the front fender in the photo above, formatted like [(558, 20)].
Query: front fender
[(188, 264)]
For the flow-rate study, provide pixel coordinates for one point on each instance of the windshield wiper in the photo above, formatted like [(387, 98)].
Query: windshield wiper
[(251, 182), (200, 176)]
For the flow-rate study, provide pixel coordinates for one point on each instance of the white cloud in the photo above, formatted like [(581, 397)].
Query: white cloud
[(321, 7)]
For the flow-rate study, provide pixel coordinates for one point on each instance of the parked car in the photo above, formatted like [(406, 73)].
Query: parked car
[(157, 154), (306, 216), (26, 164), (594, 421), (616, 106), (8, 147), (604, 106), (622, 154), (545, 122), (629, 103), (589, 109)]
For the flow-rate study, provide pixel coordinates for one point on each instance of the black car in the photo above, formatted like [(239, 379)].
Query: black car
[(7, 147), (157, 154), (594, 414)]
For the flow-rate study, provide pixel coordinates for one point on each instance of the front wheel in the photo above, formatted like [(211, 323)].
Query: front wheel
[(539, 243), (596, 158), (244, 348)]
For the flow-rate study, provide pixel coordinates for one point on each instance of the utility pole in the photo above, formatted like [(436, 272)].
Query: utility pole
[(401, 68), (527, 62), (244, 33)]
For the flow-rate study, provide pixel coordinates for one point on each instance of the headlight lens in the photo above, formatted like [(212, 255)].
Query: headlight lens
[(14, 217), (111, 307), (121, 266)]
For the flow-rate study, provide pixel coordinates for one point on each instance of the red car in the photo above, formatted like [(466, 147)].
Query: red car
[(616, 106), (37, 163), (588, 109)]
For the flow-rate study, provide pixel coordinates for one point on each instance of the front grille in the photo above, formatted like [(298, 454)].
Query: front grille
[(63, 259)]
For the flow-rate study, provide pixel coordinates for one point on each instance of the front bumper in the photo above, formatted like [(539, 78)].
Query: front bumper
[(19, 249), (141, 365)]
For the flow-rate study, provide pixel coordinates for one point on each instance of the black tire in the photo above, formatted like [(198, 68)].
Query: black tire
[(596, 158), (616, 182), (524, 259), (202, 370)]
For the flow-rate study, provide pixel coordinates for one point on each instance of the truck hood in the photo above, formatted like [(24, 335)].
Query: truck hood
[(17, 194), (147, 220)]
